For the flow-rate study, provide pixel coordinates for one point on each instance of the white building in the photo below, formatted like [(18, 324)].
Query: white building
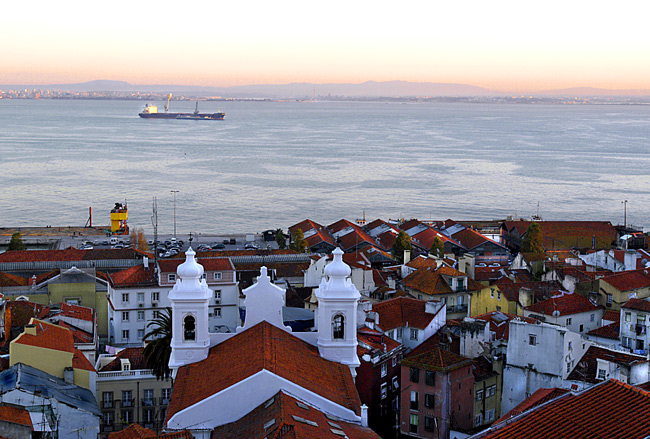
[(635, 319), (571, 310)]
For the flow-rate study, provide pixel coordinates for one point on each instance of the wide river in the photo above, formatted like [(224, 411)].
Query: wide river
[(273, 164)]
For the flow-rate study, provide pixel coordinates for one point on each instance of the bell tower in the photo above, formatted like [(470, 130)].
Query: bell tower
[(337, 314), (190, 298)]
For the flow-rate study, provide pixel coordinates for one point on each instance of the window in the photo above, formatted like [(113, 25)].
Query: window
[(478, 420), (140, 297), (125, 334), (415, 375), (127, 416), (189, 328), (610, 299), (479, 395), (147, 416), (490, 391), (384, 369), (532, 340), (125, 316), (166, 395), (592, 317), (413, 424), (498, 295), (626, 342), (155, 296), (415, 400), (156, 314), (140, 316), (217, 312), (489, 415), (107, 400), (430, 378), (127, 398), (217, 296), (394, 361), (147, 397), (602, 374), (204, 276), (140, 334), (171, 278), (338, 327), (461, 284), (414, 334), (125, 297), (429, 400), (395, 383), (492, 293), (109, 418), (582, 328), (384, 391), (217, 275), (628, 316), (399, 334), (429, 424), (568, 367), (568, 321)]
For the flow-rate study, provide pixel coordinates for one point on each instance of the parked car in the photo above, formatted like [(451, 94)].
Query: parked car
[(218, 246), (251, 246)]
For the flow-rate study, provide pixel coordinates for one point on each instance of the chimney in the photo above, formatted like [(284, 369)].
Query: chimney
[(68, 375), (407, 256), (364, 415), (145, 261), (30, 329)]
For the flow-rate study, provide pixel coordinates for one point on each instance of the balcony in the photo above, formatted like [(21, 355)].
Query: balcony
[(457, 309), (108, 404), (148, 402), (108, 427), (127, 403), (164, 401)]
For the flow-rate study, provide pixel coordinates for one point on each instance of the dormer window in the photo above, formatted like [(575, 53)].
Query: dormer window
[(189, 328), (171, 277), (217, 275), (338, 327), (460, 284)]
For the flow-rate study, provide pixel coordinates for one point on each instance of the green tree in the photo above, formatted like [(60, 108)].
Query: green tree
[(16, 242), (158, 348), (532, 242), (437, 248), (280, 239), (402, 242), (298, 242)]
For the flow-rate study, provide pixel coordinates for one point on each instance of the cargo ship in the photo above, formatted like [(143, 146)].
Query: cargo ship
[(151, 112)]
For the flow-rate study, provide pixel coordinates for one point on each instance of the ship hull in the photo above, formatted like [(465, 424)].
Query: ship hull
[(183, 116)]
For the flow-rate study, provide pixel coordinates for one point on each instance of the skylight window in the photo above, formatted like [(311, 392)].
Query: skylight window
[(269, 424), (304, 421)]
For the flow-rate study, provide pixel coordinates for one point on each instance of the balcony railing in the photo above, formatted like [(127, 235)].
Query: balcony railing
[(108, 404), (164, 401), (456, 308), (127, 402), (148, 402)]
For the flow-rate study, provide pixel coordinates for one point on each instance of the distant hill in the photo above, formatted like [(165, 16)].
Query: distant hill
[(368, 89)]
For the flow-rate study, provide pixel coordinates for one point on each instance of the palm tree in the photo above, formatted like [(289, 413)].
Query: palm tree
[(159, 349)]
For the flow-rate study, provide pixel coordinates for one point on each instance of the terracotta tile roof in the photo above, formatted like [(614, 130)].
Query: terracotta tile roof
[(134, 276), (136, 431), (637, 304), (500, 322), (77, 312), (48, 336), (209, 264), (11, 280), (482, 368), (541, 290), (78, 335), (402, 311), (284, 416), (375, 254), (79, 361), (422, 262), (539, 397), (565, 304), (429, 355), (321, 233), (470, 239), (588, 374), (15, 415), (372, 340), (628, 280), (263, 347), (570, 234), (69, 254), (135, 357), (611, 331), (305, 226), (612, 410), (612, 316), (433, 282)]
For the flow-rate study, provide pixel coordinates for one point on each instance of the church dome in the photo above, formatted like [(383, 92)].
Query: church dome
[(190, 268)]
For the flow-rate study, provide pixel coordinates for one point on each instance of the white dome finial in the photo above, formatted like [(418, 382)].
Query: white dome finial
[(190, 269)]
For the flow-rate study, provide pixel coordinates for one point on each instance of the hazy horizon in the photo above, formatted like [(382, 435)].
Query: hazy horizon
[(508, 46)]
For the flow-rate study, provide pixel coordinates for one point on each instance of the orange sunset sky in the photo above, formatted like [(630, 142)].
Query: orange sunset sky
[(501, 45)]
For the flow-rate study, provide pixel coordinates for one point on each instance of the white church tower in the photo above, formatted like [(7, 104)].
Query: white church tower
[(337, 314), (190, 298)]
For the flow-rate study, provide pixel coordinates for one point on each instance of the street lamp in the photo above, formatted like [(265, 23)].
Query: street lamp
[(174, 192)]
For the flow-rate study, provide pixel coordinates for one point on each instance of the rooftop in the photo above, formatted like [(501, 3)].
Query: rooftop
[(562, 305), (402, 311)]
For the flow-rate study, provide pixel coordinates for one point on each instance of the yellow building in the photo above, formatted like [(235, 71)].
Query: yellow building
[(491, 298), (50, 348)]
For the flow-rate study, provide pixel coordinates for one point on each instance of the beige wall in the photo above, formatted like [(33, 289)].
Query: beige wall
[(48, 360)]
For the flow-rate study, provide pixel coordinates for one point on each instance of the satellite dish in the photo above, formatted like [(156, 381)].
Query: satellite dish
[(556, 313)]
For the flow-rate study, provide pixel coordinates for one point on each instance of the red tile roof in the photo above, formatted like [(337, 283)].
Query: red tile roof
[(628, 280), (432, 282), (15, 415), (611, 331), (570, 234), (541, 290), (285, 417), (402, 311), (500, 322), (565, 304), (422, 262), (79, 361), (209, 264), (429, 355), (77, 312), (612, 316), (135, 357), (48, 336), (586, 369), (136, 431), (372, 340), (69, 254), (134, 276), (263, 347), (11, 280), (539, 397), (611, 410), (637, 304)]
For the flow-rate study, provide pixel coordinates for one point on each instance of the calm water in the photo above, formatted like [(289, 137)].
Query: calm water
[(271, 165)]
